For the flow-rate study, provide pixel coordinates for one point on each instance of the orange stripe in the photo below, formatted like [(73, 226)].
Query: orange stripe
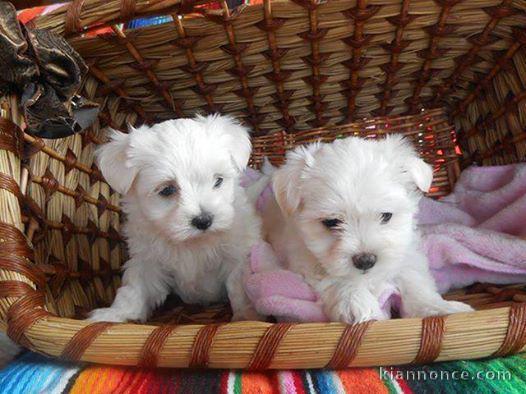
[(150, 382), (256, 382), (362, 380), (95, 380), (114, 378)]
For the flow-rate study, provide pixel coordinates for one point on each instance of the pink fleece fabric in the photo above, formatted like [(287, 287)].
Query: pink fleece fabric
[(475, 234)]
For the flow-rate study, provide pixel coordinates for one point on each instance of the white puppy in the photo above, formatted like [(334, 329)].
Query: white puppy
[(189, 224), (344, 218)]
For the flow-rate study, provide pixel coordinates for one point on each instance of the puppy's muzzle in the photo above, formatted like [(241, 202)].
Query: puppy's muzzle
[(364, 261), (203, 221)]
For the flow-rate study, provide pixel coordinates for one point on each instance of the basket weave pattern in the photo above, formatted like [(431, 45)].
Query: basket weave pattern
[(295, 72)]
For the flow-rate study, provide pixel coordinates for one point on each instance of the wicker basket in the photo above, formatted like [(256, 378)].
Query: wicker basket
[(295, 71)]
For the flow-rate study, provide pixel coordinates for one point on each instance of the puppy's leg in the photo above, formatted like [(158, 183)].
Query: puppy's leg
[(242, 308), (143, 289), (351, 303), (420, 297)]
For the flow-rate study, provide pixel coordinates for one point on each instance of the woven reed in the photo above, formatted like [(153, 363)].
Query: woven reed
[(295, 72)]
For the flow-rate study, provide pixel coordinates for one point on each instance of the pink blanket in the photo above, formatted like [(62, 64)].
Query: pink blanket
[(476, 234)]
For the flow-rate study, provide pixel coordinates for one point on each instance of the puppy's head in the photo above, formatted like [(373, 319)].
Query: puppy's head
[(354, 201), (181, 175)]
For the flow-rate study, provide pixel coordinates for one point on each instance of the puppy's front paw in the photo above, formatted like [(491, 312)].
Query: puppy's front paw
[(107, 315), (364, 313), (247, 314), (353, 310), (439, 307), (449, 307)]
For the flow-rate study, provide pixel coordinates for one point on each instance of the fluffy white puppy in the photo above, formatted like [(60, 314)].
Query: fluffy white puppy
[(344, 218), (189, 224)]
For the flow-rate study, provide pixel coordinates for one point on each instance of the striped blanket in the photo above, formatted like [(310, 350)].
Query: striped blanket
[(32, 373)]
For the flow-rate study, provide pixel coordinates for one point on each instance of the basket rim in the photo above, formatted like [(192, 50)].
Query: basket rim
[(260, 346)]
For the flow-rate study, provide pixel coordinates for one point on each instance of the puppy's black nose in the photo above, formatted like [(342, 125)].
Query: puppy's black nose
[(364, 261), (203, 221)]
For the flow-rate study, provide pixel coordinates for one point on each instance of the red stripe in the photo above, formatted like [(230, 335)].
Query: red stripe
[(149, 383), (127, 377), (401, 382), (298, 383), (161, 381), (223, 383), (168, 382), (274, 379), (136, 382)]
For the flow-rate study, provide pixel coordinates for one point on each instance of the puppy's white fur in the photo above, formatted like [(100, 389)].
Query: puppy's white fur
[(167, 253), (355, 181)]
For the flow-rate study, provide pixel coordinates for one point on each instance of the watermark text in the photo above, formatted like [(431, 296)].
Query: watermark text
[(426, 374)]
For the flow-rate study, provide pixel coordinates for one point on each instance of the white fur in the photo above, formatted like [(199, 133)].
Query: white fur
[(355, 181), (167, 253)]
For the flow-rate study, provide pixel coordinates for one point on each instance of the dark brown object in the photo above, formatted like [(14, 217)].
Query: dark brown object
[(46, 72)]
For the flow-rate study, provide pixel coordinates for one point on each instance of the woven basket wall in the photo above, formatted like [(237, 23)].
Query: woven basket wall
[(294, 71)]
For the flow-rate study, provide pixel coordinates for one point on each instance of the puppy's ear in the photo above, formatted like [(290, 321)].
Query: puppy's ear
[(112, 159), (286, 180), (420, 172), (235, 136)]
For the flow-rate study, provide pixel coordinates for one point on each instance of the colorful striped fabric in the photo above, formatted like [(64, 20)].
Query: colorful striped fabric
[(32, 373)]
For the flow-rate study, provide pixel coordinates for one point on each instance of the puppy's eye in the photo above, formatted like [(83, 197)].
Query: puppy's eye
[(219, 181), (331, 224), (386, 216), (168, 191)]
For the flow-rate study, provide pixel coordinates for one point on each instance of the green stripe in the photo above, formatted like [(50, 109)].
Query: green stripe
[(483, 376), (237, 383), (388, 383), (509, 383)]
